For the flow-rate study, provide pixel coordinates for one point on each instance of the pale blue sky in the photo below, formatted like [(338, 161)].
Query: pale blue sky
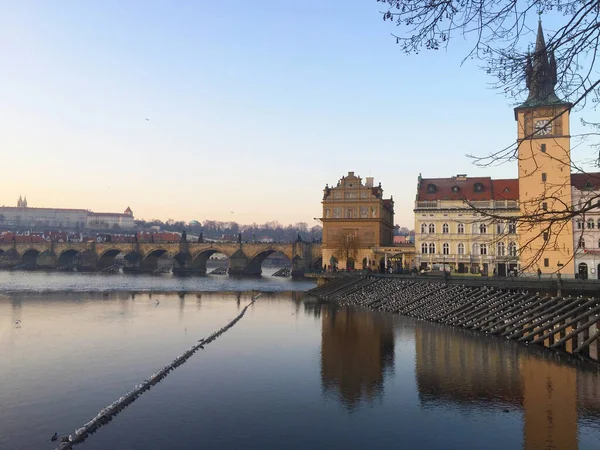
[(253, 107)]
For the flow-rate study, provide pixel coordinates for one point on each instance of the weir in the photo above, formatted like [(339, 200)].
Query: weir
[(565, 324), (108, 413)]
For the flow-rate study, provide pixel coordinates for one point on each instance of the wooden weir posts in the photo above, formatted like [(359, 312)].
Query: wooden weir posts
[(565, 324)]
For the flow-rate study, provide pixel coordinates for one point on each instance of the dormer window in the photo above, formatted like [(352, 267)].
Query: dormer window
[(506, 189), (431, 188), (588, 186), (455, 189), (478, 187)]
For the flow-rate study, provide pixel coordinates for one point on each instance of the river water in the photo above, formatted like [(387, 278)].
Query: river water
[(291, 374)]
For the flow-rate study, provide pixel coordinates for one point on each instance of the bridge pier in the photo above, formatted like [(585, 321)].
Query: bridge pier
[(239, 264)]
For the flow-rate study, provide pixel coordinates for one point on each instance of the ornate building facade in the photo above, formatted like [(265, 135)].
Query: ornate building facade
[(454, 230), (358, 225), (585, 192)]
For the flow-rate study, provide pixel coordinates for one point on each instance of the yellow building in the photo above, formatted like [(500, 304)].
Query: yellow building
[(454, 230), (544, 153), (358, 225)]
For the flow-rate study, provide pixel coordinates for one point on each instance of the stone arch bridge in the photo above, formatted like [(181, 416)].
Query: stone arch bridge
[(244, 258)]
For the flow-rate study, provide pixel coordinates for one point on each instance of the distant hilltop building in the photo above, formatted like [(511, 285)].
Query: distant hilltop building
[(25, 216)]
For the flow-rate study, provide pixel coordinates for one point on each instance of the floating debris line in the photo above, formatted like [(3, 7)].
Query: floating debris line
[(108, 413)]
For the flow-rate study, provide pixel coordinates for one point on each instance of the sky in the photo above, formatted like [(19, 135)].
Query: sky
[(253, 107)]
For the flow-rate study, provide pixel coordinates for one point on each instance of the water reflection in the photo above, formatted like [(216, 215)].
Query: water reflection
[(357, 348), (454, 367)]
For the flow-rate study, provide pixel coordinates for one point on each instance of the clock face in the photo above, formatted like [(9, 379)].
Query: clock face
[(542, 127)]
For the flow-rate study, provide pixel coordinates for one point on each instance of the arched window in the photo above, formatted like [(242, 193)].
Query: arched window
[(501, 249), (478, 187), (512, 249), (500, 227), (461, 228), (482, 228), (432, 248), (483, 249), (579, 224), (424, 247), (512, 227), (590, 223), (475, 249), (445, 228), (461, 248), (423, 228), (446, 248), (581, 243), (599, 223), (432, 227)]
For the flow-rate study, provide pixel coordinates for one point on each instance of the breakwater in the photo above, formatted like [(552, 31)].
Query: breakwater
[(565, 324), (105, 415)]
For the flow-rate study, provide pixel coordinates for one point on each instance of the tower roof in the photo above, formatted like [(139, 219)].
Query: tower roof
[(540, 75)]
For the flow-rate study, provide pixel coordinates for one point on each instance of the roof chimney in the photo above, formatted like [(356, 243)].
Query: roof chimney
[(370, 181)]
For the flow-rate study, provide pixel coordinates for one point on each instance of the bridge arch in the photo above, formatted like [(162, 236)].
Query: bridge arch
[(46, 260), (256, 261), (67, 260), (29, 257), (151, 259), (108, 257), (199, 260)]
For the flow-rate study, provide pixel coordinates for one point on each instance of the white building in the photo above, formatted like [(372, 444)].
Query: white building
[(24, 216)]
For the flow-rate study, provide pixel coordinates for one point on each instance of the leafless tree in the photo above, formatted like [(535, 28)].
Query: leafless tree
[(501, 38)]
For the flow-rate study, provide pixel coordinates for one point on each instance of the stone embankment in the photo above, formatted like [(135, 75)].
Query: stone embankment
[(566, 324), (108, 413)]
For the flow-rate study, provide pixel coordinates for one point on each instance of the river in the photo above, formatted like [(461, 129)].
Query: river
[(290, 374)]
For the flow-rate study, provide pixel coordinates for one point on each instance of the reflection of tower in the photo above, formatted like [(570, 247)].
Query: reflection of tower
[(550, 403), (356, 349)]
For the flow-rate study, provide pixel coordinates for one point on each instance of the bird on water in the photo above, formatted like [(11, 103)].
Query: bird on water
[(54, 437)]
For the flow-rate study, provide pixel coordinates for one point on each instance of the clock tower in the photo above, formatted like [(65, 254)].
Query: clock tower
[(544, 155)]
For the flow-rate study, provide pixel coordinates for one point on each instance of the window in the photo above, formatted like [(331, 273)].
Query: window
[(545, 206), (432, 248), (545, 235), (598, 243), (445, 228), (543, 148), (483, 249), (455, 189), (598, 223), (431, 188), (424, 247), (478, 187), (423, 228), (461, 228), (432, 227), (512, 249), (544, 177), (512, 227), (501, 249), (475, 249), (546, 262), (500, 228), (580, 224), (446, 248), (482, 228), (461, 249), (581, 243), (590, 223)]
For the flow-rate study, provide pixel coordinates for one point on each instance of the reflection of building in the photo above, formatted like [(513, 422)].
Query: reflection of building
[(25, 216), (449, 235), (455, 367), (357, 347), (358, 224)]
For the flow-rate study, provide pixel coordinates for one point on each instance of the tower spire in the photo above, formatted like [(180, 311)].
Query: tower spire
[(540, 74)]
